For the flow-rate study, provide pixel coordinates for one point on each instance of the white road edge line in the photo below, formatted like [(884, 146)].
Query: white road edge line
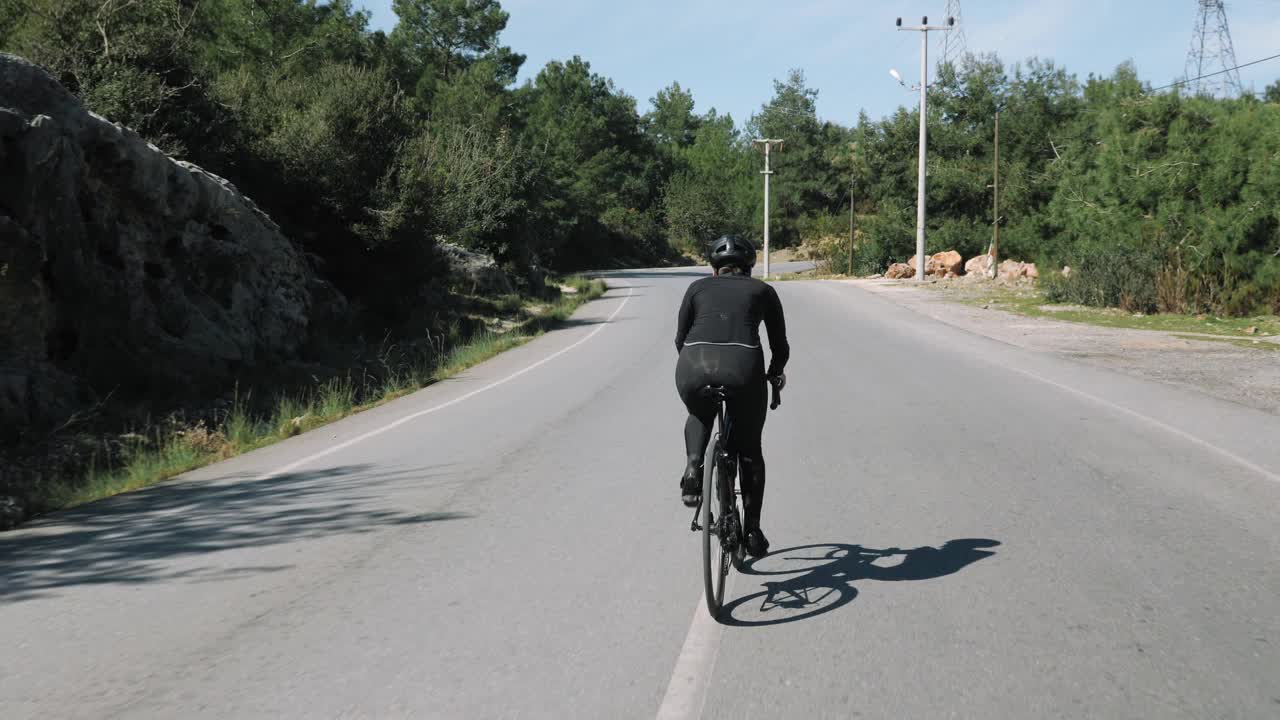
[(414, 416), (1118, 408), (687, 690), (1161, 425)]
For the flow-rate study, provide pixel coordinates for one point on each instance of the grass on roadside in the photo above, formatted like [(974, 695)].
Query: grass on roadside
[(1030, 302), (481, 348), (163, 454)]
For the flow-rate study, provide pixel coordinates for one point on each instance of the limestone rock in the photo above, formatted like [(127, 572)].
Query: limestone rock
[(11, 512), (1011, 270), (899, 271), (478, 272), (939, 264), (536, 284), (121, 268), (949, 262), (977, 265)]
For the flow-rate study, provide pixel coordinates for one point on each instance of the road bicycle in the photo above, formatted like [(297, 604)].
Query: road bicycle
[(719, 513)]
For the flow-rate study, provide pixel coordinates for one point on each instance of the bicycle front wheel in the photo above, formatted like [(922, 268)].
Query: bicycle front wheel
[(715, 562)]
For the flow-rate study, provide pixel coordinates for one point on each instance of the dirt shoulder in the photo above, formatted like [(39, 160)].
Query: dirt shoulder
[(1243, 370)]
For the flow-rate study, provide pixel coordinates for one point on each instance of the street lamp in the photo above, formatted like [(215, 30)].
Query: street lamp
[(923, 28)]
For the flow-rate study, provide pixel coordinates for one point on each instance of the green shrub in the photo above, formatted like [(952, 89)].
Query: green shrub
[(697, 212), (636, 231), (1108, 277), (333, 132), (967, 236), (813, 226), (460, 183), (885, 238), (131, 62)]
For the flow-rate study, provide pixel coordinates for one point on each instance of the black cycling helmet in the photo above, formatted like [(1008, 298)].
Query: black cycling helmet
[(732, 250)]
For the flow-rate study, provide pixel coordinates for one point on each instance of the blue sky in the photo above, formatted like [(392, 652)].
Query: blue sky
[(728, 52)]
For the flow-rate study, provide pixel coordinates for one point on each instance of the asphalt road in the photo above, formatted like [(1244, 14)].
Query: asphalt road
[(961, 529)]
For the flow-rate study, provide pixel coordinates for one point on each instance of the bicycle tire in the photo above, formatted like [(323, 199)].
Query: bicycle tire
[(714, 566), (730, 528)]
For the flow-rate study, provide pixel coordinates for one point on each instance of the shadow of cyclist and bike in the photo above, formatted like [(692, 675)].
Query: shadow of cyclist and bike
[(816, 579)]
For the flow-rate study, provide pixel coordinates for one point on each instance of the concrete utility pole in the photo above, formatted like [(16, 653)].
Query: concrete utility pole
[(923, 28), (767, 143)]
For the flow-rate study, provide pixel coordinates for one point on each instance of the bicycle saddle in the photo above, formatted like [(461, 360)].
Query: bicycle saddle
[(718, 392)]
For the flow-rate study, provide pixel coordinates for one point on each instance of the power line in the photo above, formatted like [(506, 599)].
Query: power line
[(1206, 75)]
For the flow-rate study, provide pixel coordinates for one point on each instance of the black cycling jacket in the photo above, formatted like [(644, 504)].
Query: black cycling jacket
[(727, 310)]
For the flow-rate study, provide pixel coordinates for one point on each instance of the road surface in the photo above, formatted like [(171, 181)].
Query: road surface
[(961, 529)]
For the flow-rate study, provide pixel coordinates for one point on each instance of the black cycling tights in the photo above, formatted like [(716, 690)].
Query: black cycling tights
[(742, 370)]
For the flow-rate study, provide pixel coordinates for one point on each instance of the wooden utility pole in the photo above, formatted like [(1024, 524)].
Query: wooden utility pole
[(995, 207), (850, 269)]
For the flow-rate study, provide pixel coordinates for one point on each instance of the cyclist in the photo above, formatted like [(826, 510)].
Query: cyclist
[(718, 338)]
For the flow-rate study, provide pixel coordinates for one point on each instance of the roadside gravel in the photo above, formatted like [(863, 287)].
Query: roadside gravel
[(1246, 375)]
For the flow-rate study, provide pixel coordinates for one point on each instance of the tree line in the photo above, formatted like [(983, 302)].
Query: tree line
[(370, 148), (1157, 201)]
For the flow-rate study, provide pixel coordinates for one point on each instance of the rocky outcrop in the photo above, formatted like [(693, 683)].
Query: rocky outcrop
[(11, 512), (535, 283), (124, 270), (478, 273)]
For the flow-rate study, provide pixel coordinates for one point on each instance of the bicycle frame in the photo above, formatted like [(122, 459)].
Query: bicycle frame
[(726, 460), (723, 544)]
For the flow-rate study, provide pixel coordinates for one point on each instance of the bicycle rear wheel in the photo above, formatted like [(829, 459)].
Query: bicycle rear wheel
[(715, 561)]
